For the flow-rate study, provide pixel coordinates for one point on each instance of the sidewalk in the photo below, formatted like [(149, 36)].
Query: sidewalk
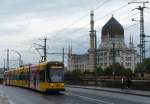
[(114, 90)]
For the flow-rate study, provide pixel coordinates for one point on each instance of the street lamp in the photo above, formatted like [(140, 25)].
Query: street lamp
[(114, 57), (20, 60)]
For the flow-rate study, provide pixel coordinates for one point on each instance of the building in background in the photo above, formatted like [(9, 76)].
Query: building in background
[(112, 49), (1, 73)]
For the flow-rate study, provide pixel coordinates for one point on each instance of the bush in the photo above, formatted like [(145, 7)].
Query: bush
[(99, 71), (68, 73), (87, 72), (118, 70), (144, 66), (76, 73)]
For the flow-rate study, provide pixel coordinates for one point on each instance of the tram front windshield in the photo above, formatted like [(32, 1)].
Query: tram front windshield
[(56, 74)]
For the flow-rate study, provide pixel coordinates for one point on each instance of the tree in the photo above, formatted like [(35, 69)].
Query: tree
[(87, 72), (144, 66), (76, 73), (108, 71), (68, 73), (128, 72), (118, 70), (99, 71)]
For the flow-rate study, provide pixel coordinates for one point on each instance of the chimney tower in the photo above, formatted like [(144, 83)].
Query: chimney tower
[(92, 55)]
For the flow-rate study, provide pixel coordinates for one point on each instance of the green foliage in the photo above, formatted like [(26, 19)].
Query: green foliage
[(68, 73), (99, 71), (128, 72), (87, 72), (108, 71), (144, 66), (118, 70), (76, 73)]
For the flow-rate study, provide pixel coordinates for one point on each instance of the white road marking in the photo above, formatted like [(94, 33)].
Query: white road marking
[(85, 97)]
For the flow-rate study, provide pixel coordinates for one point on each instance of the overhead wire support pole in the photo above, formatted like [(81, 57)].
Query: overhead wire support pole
[(7, 59), (45, 49), (142, 34), (95, 54), (63, 53), (20, 58), (4, 65)]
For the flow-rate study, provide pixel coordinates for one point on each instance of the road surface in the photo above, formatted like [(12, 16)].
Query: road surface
[(15, 95)]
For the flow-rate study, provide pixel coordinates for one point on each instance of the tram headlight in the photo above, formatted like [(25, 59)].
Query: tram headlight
[(62, 84), (52, 84)]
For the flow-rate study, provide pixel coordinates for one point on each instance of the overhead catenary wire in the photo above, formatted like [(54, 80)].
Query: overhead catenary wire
[(86, 24), (115, 10), (86, 15), (101, 17), (83, 16)]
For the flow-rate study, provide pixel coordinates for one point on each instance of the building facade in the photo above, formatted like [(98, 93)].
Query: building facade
[(112, 49), (1, 73)]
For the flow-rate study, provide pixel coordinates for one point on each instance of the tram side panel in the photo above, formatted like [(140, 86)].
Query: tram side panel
[(34, 77)]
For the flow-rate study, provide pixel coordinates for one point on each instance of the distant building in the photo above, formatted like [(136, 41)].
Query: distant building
[(1, 73), (76, 61), (112, 49)]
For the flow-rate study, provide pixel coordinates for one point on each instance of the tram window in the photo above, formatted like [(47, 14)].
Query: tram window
[(20, 76), (42, 75), (17, 77), (12, 77), (27, 76), (23, 76)]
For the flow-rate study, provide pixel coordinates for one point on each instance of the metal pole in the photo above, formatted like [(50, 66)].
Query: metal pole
[(4, 64), (114, 60), (20, 59), (114, 53), (63, 55), (142, 35), (95, 61), (7, 59), (45, 55), (95, 40)]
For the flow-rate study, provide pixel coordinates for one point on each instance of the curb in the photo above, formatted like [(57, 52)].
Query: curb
[(113, 91)]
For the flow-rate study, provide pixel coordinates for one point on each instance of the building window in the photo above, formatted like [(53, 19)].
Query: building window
[(128, 58), (118, 53), (105, 53), (128, 64)]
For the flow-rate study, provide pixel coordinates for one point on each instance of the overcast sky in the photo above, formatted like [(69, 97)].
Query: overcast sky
[(63, 22)]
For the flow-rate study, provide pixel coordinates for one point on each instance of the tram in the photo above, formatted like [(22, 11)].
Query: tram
[(43, 77)]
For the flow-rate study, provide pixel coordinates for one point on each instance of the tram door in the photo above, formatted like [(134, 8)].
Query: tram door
[(37, 80)]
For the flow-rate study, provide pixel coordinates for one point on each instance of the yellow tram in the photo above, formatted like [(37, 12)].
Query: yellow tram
[(44, 77)]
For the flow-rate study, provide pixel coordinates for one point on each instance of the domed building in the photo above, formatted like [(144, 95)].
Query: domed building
[(112, 49)]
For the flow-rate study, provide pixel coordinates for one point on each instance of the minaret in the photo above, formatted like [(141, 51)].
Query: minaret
[(131, 44), (92, 33), (69, 51), (70, 57), (92, 44)]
